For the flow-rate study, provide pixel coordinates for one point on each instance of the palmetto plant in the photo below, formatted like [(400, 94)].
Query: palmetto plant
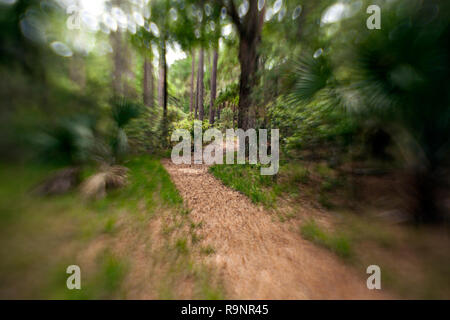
[(73, 142), (123, 111), (68, 141), (398, 75), (110, 175)]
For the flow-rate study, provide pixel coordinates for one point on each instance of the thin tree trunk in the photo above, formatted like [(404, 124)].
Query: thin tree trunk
[(152, 83), (196, 96), (160, 80), (191, 103), (201, 111), (163, 89), (145, 93), (234, 116), (213, 86)]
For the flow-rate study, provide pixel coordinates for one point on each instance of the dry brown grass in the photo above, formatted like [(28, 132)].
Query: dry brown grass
[(109, 177)]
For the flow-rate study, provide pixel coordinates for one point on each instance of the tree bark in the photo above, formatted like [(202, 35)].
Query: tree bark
[(163, 89), (249, 29), (248, 58), (191, 103), (148, 89), (118, 62), (200, 85), (161, 76), (213, 86), (196, 96), (234, 116)]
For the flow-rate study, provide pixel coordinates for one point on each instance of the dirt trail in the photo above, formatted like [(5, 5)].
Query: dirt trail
[(257, 256)]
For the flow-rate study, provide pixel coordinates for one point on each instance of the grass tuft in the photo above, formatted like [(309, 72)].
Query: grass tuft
[(248, 180), (339, 244)]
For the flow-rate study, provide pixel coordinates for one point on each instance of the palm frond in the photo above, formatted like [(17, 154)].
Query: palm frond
[(123, 111), (311, 76)]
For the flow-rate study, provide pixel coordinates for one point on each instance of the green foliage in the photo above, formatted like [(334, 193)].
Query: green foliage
[(247, 179), (189, 123), (123, 111), (404, 68), (226, 120), (398, 77), (313, 75), (68, 141), (143, 132), (309, 124), (337, 243), (182, 246), (227, 97), (113, 272), (296, 173), (208, 250), (229, 94)]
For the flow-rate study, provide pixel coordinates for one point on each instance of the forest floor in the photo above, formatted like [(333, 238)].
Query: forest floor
[(133, 244), (199, 232), (257, 256)]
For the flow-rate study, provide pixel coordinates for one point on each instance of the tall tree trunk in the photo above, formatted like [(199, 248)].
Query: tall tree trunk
[(234, 116), (249, 29), (213, 86), (247, 58), (129, 80), (123, 75), (152, 82), (163, 89), (118, 69), (196, 96), (161, 77), (200, 85), (148, 82), (191, 102)]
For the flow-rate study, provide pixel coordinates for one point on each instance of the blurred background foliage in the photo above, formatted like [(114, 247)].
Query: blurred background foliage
[(87, 82)]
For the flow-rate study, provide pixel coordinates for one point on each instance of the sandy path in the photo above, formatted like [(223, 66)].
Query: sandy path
[(257, 256)]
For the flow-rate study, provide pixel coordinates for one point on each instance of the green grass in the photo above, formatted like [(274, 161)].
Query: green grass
[(323, 170), (181, 246), (247, 179), (339, 244), (208, 250), (103, 283), (112, 272), (110, 225), (296, 174)]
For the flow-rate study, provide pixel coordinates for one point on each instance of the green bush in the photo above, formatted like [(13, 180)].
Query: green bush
[(305, 125)]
